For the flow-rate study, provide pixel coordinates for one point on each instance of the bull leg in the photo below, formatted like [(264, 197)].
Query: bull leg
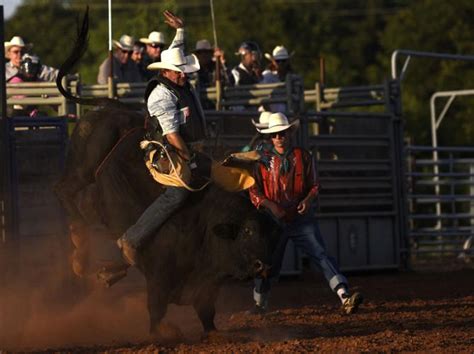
[(204, 304), (157, 304), (66, 190)]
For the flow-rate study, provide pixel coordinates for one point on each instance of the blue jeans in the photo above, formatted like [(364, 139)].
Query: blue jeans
[(305, 234), (155, 215)]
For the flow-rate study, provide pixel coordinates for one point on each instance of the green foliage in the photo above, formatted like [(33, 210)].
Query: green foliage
[(356, 38)]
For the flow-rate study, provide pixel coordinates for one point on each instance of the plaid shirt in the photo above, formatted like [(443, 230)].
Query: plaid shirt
[(286, 187)]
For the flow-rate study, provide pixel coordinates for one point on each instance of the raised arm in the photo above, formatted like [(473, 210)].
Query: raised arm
[(177, 23)]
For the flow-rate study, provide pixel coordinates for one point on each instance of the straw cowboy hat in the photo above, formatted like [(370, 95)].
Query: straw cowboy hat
[(125, 42), (262, 122), (203, 45), (174, 59), (154, 38), (279, 53), (16, 41), (277, 122)]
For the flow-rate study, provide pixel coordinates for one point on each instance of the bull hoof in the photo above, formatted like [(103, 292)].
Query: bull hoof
[(109, 278), (80, 263), (168, 333)]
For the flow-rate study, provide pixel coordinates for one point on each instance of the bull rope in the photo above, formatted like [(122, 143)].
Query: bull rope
[(173, 166)]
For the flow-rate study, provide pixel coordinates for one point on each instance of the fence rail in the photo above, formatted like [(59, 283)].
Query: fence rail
[(440, 197)]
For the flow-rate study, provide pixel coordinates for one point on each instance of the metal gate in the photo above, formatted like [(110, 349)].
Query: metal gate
[(359, 159), (37, 150), (440, 199)]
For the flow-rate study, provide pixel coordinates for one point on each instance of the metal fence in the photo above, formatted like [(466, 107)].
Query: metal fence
[(355, 134), (440, 199)]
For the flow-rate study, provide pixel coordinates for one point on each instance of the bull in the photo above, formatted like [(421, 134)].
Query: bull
[(217, 235)]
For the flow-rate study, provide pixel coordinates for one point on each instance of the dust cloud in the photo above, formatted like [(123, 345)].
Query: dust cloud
[(49, 308)]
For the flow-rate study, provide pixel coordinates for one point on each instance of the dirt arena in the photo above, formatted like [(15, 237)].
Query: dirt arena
[(427, 310)]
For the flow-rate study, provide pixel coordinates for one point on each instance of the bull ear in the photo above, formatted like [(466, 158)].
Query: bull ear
[(226, 231)]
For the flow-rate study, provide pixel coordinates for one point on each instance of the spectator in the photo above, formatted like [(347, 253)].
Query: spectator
[(206, 76), (14, 49), (29, 71), (124, 69), (155, 43), (276, 71), (138, 56), (207, 56), (279, 65), (248, 72)]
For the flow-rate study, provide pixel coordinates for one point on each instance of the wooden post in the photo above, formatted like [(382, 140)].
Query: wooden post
[(218, 84)]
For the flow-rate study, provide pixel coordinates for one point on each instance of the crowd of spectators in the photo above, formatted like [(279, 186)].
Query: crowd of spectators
[(131, 58)]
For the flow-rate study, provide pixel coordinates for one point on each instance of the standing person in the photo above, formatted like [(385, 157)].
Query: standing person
[(206, 76), (176, 115), (248, 72), (155, 42), (124, 69), (14, 50), (277, 71), (207, 56), (137, 57), (279, 65), (286, 186)]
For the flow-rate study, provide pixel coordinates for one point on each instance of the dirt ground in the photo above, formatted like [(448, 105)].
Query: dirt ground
[(428, 311)]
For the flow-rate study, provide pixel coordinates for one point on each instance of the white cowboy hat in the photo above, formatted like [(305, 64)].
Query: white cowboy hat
[(15, 41), (203, 45), (279, 53), (125, 42), (174, 59), (154, 38), (262, 122), (277, 122)]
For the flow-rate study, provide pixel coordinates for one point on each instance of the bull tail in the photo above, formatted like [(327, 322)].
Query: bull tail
[(80, 47)]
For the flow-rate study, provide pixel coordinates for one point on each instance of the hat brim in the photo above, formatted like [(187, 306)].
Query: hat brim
[(191, 66), (281, 127), (120, 46), (272, 58), (149, 41), (258, 125)]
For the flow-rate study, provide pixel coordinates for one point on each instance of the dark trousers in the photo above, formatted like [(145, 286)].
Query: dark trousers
[(305, 234), (155, 215)]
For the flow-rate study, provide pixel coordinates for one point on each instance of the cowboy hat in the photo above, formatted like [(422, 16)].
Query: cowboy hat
[(125, 43), (277, 122), (248, 46), (16, 41), (203, 45), (279, 53), (154, 38), (174, 59), (262, 122)]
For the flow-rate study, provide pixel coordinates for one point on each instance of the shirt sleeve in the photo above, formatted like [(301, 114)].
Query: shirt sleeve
[(256, 191), (104, 69), (178, 40), (162, 105)]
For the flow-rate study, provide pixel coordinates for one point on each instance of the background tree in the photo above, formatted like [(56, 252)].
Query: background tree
[(355, 37)]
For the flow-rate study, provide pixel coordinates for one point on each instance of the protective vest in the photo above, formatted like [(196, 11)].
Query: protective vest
[(246, 78), (194, 128)]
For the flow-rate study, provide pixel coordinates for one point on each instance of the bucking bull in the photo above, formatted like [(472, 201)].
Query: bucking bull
[(106, 186)]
